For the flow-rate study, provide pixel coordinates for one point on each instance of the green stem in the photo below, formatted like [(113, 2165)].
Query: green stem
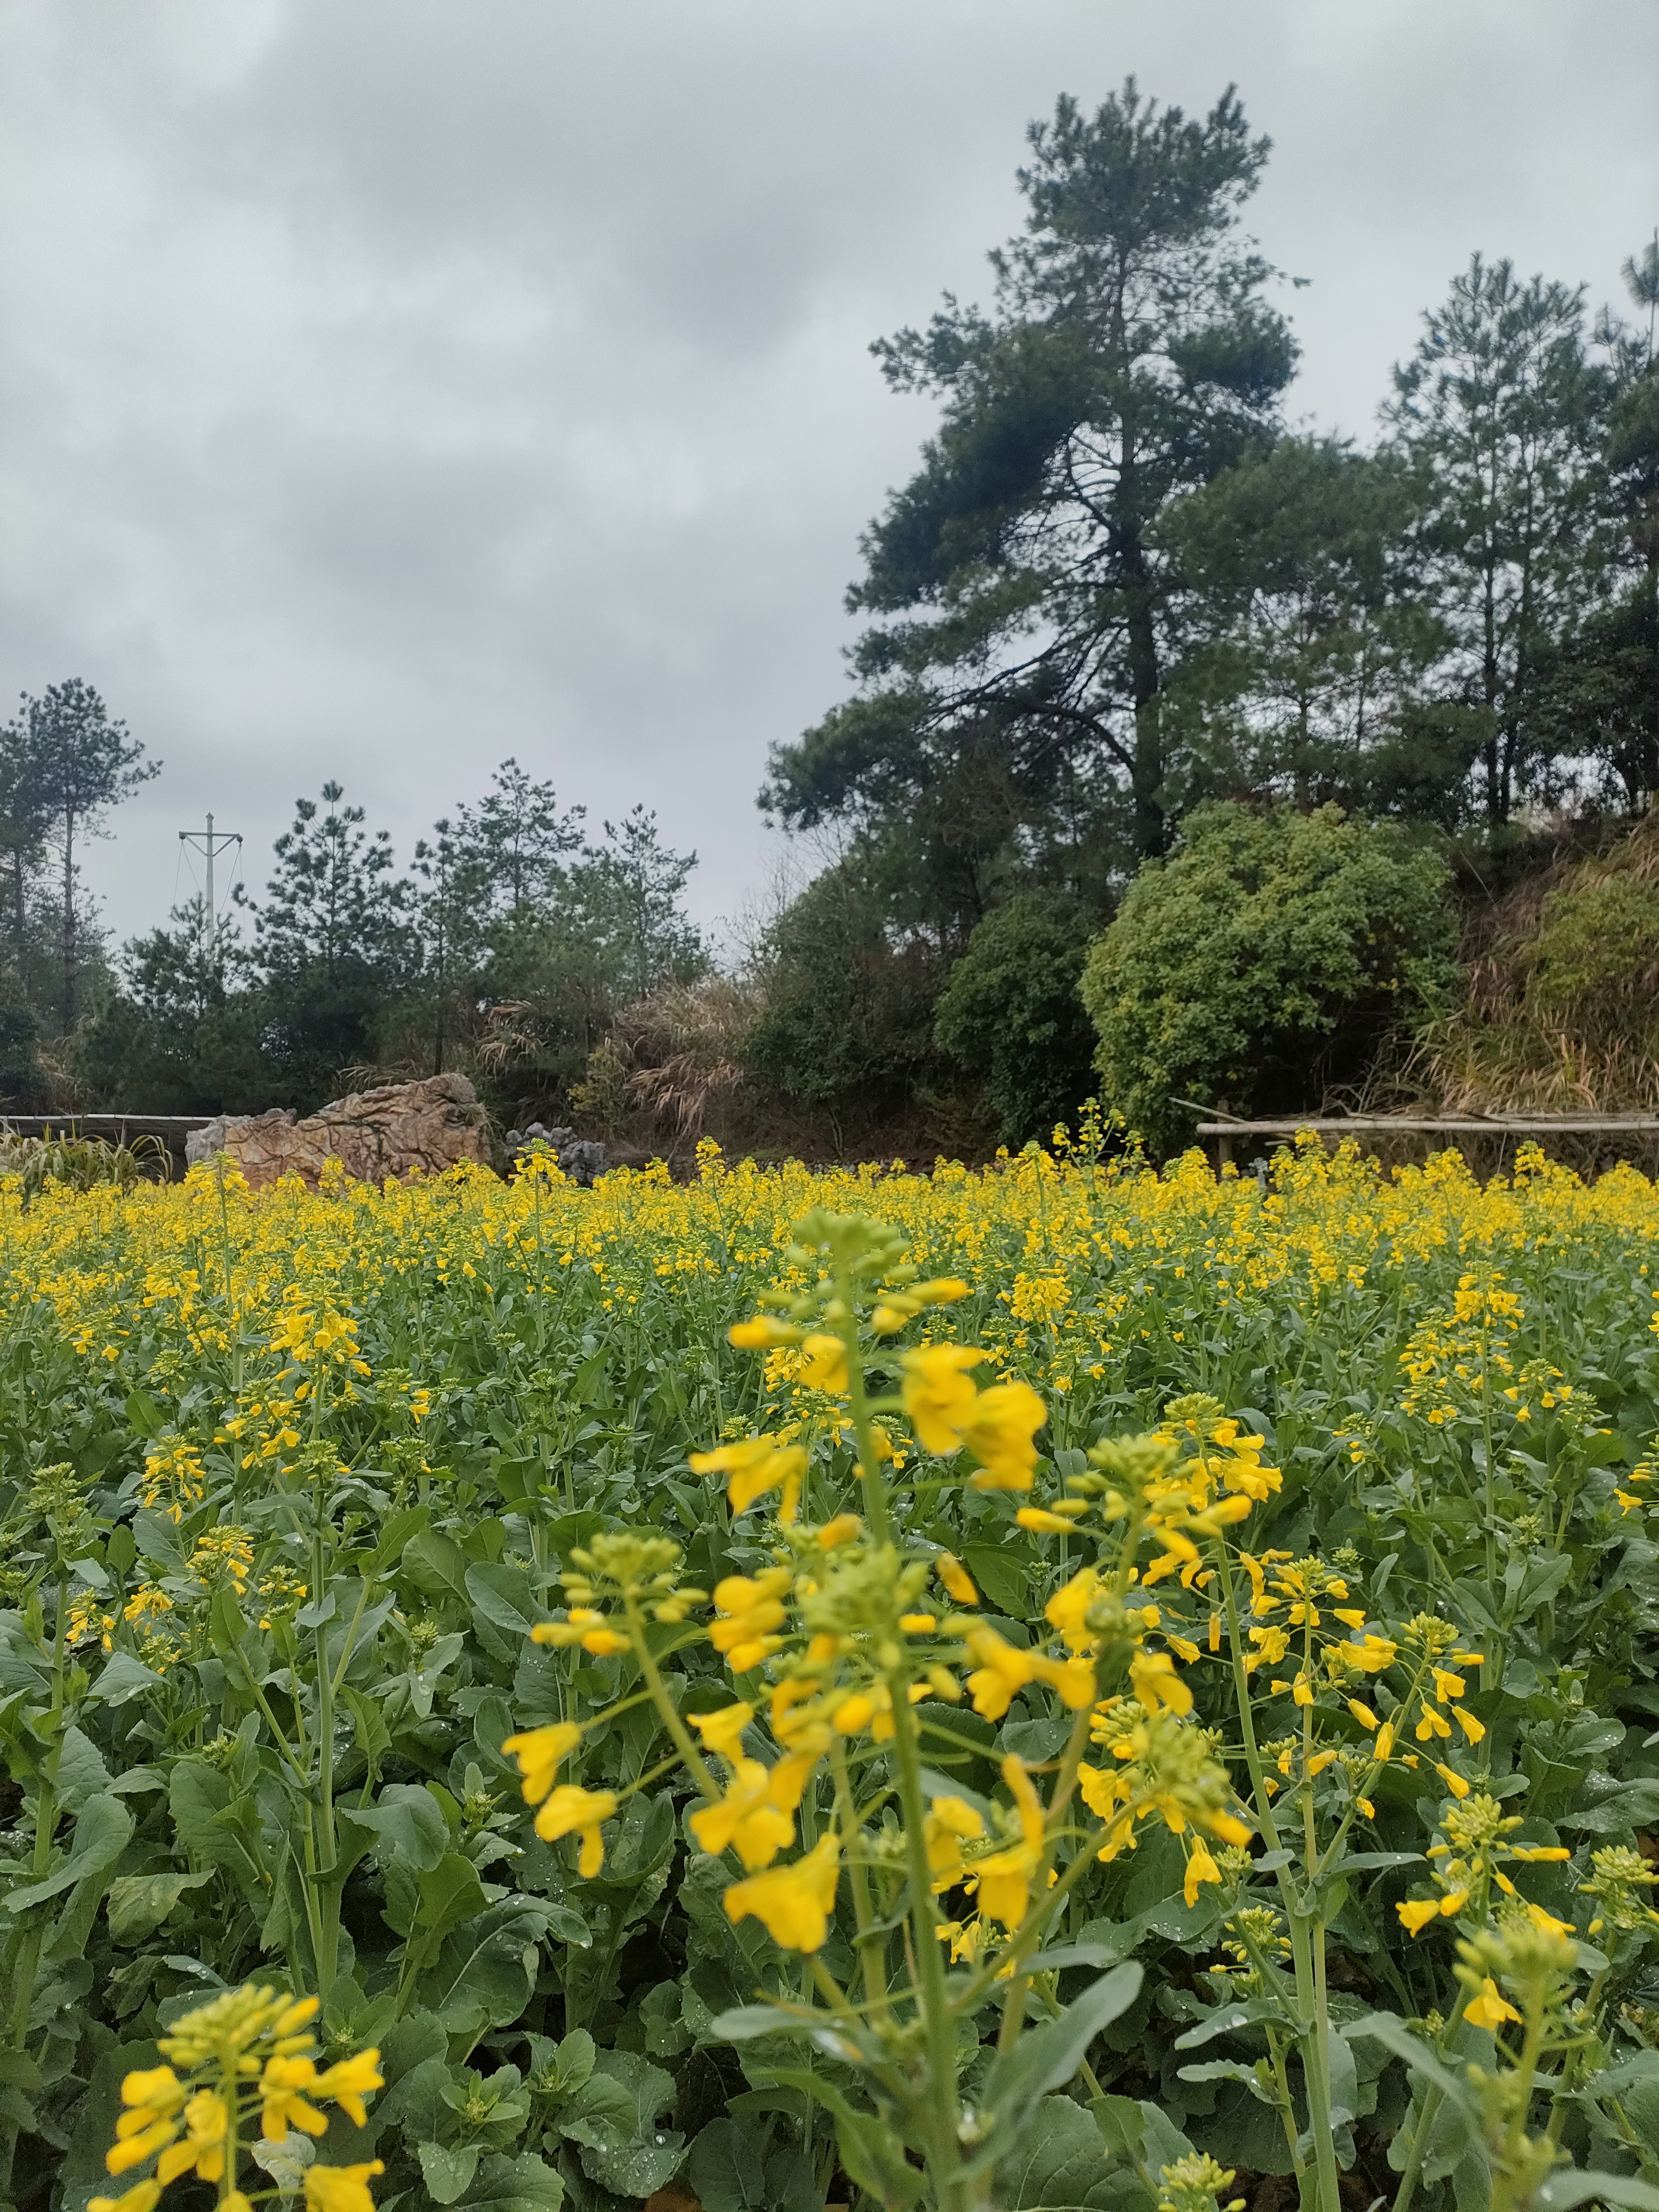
[(871, 1952), (665, 1705), (938, 2025)]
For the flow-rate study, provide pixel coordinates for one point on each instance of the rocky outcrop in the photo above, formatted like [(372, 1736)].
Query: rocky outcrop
[(397, 1129), (579, 1157)]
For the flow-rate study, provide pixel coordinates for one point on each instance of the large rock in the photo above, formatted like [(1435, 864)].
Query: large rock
[(397, 1129)]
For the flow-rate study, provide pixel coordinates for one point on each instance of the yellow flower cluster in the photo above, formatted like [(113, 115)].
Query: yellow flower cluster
[(248, 2056)]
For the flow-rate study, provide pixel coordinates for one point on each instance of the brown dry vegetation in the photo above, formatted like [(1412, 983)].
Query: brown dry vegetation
[(1560, 1006)]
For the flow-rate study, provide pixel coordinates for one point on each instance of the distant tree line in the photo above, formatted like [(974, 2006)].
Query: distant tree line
[(510, 944)]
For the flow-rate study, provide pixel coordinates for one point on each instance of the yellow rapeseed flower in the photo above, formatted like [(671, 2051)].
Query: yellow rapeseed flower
[(570, 1811), (793, 1903)]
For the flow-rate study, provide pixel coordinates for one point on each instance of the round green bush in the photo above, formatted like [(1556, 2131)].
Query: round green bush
[(1011, 1012), (1262, 963)]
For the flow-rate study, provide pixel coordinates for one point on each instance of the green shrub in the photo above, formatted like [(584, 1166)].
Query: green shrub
[(1594, 958), (847, 1033), (1262, 963), (1011, 1012)]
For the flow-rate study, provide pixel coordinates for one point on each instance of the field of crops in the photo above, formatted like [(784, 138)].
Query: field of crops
[(1214, 1738)]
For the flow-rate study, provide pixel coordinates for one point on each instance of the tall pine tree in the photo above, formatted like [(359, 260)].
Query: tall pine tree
[(1025, 612)]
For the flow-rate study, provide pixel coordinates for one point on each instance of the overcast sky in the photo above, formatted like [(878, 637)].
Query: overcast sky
[(390, 386)]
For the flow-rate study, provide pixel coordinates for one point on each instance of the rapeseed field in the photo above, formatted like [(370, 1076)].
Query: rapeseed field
[(1055, 1685)]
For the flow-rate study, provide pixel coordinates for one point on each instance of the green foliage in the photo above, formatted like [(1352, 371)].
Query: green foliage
[(66, 763), (848, 1027), (1011, 1014), (172, 1822), (80, 1162), (513, 947), (22, 1080), (1261, 963), (1502, 417), (1595, 957), (1304, 675), (1026, 612)]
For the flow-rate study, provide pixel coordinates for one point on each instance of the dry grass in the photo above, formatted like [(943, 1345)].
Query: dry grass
[(1532, 1034)]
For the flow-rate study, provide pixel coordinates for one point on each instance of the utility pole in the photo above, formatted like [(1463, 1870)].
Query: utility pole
[(208, 843)]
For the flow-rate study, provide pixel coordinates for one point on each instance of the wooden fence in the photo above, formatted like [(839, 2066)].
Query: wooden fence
[(1589, 1135)]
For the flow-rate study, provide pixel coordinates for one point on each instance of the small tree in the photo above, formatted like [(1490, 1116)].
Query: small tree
[(848, 1027), (1263, 962), (629, 890), (1502, 414), (334, 940), (25, 819), (73, 764), (1010, 1011)]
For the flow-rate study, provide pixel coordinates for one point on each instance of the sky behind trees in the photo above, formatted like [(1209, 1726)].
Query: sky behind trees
[(389, 388)]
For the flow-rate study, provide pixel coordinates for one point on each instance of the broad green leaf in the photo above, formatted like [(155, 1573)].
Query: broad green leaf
[(743, 2022), (139, 1902), (600, 2113), (1228, 2018), (406, 1822), (449, 1894), (446, 2172), (525, 2183), (122, 1677), (1568, 2188), (82, 1772), (1047, 2057), (1059, 2163), (737, 2164), (103, 1832), (397, 1531), (435, 1564)]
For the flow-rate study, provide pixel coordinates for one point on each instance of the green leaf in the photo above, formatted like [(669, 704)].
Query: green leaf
[(600, 2113), (397, 1531), (101, 1834), (1072, 1955), (574, 2059), (123, 1677), (157, 1538), (486, 1971), (226, 1624), (1641, 2066), (374, 1737), (1000, 1576), (1059, 2164), (502, 1596), (1568, 2188), (446, 2172), (406, 1822), (736, 2165), (449, 1894), (640, 2166), (82, 2173), (139, 1902), (871, 2152), (1048, 2056), (743, 2022), (1230, 2069), (143, 1415), (435, 1564), (1228, 2018), (1388, 2028), (525, 2183), (82, 1773)]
